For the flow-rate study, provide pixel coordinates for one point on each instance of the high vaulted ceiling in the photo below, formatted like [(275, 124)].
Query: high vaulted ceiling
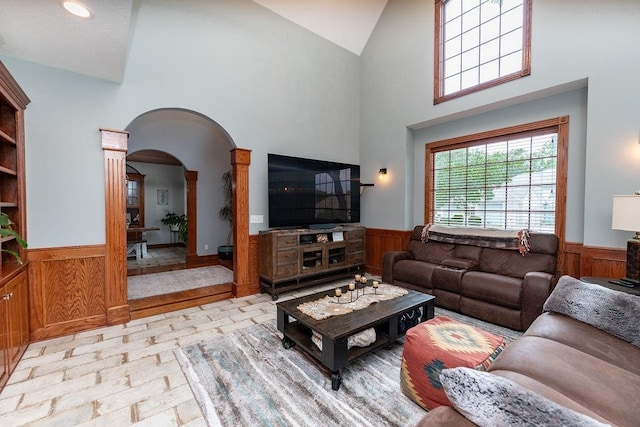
[(42, 31)]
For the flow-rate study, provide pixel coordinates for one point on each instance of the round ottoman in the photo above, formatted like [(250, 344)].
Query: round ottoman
[(438, 344)]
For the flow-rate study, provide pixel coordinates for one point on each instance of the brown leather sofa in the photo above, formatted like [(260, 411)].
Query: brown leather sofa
[(500, 286), (571, 363)]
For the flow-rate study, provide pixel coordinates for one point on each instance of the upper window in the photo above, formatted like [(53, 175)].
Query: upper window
[(479, 44)]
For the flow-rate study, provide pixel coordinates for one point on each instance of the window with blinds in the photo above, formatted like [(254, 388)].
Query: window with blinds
[(500, 181)]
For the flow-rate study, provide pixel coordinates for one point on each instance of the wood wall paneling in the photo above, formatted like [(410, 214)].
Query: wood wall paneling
[(240, 161), (192, 217), (379, 241), (254, 271), (114, 146), (67, 290), (603, 262), (575, 259)]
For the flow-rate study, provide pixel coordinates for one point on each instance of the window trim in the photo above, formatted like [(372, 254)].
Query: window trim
[(560, 125), (438, 82)]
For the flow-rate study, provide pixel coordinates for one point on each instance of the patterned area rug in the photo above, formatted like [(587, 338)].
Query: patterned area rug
[(248, 378), (178, 280)]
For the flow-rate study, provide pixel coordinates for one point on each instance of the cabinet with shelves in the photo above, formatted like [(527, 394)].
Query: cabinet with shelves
[(14, 297), (293, 259), (135, 200)]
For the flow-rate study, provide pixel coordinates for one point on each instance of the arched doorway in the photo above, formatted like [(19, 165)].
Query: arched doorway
[(157, 230), (115, 144)]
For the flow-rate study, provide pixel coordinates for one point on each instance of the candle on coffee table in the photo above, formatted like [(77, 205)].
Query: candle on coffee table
[(352, 286), (375, 284), (338, 292)]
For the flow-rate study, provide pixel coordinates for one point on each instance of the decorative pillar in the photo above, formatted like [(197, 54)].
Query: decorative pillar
[(240, 161), (114, 146), (192, 217)]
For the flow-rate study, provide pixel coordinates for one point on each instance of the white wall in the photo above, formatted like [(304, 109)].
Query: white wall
[(273, 87), (573, 42)]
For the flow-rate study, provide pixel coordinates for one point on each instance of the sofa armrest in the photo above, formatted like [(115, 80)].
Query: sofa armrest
[(536, 289), (388, 260), (444, 416)]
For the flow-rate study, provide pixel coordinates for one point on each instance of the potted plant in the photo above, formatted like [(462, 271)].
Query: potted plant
[(176, 223), (7, 231), (225, 252)]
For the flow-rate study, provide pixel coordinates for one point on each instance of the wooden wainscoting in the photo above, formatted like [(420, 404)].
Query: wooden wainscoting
[(603, 262), (66, 290), (579, 260), (379, 241), (254, 272)]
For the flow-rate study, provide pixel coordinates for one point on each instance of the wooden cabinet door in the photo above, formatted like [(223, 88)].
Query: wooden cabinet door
[(4, 338), (17, 307)]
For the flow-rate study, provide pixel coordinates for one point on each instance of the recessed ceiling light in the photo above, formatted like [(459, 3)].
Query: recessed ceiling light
[(77, 8)]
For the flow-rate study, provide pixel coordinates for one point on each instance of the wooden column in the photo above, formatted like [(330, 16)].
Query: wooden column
[(240, 161), (114, 145), (192, 216)]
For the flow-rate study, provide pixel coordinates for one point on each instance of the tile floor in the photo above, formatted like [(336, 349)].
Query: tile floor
[(126, 374), (159, 256)]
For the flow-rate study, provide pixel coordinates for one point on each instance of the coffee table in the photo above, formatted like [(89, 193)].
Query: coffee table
[(297, 328)]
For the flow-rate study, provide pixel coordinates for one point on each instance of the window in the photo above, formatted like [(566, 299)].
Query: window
[(479, 44), (506, 179)]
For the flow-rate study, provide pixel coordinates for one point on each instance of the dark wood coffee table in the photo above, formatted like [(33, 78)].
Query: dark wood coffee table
[(383, 316)]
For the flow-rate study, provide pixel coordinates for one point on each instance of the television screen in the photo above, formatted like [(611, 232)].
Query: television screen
[(306, 192)]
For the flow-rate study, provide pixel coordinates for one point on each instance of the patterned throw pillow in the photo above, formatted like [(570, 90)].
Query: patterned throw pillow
[(491, 400)]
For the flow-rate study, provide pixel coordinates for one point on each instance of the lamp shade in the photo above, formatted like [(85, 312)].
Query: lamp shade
[(626, 213)]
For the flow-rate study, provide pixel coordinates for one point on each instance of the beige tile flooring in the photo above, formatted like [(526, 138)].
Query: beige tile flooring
[(126, 374), (159, 256)]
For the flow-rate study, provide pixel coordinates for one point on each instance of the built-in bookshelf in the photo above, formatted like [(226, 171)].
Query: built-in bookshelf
[(14, 286)]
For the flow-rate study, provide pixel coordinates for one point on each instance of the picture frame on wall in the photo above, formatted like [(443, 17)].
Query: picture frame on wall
[(163, 197)]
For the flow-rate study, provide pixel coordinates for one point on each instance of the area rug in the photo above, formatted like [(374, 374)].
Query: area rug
[(248, 378), (177, 280)]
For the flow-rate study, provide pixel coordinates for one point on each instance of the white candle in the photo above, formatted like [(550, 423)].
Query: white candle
[(375, 283), (357, 277), (364, 280), (352, 286), (338, 292)]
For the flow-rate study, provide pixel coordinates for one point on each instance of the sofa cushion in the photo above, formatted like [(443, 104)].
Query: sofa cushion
[(496, 289), (416, 272), (572, 332), (433, 252), (460, 263), (490, 400), (617, 313), (513, 264), (543, 243), (468, 252), (590, 382)]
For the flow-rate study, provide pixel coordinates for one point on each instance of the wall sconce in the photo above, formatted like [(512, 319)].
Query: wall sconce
[(382, 171)]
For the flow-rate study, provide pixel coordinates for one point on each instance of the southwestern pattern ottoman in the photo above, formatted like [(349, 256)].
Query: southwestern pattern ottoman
[(438, 344)]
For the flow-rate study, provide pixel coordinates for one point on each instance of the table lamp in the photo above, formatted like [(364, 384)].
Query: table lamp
[(626, 216)]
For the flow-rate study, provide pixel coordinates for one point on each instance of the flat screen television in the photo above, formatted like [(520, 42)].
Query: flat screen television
[(312, 193)]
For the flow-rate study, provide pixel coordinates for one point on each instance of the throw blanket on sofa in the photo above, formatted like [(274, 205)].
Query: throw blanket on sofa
[(614, 312), (484, 237)]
